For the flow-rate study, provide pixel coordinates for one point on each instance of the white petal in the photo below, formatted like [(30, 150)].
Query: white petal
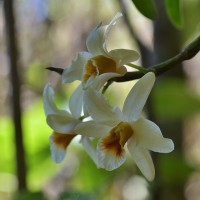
[(76, 102), (108, 160), (89, 148), (48, 100), (137, 97), (61, 123), (110, 25), (95, 41), (49, 103), (97, 38), (75, 70), (99, 108), (89, 83), (58, 147), (100, 80), (92, 129), (150, 136), (119, 114), (59, 120), (123, 56), (142, 159)]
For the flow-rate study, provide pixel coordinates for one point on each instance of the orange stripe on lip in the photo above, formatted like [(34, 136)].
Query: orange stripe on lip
[(117, 138), (99, 65), (62, 140), (111, 144)]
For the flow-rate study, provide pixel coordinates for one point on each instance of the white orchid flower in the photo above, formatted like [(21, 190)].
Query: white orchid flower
[(98, 65), (62, 122), (117, 128)]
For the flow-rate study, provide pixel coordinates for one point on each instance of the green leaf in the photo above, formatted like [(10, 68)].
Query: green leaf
[(173, 8), (146, 7)]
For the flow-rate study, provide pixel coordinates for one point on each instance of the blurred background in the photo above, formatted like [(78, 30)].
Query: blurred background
[(44, 33)]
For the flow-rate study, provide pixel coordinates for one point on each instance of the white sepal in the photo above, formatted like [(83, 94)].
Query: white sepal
[(76, 69), (76, 102), (123, 56), (137, 97), (92, 129), (96, 41), (89, 148), (142, 159), (59, 120), (150, 136), (99, 108)]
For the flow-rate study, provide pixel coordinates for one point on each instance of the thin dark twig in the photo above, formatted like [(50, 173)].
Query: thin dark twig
[(55, 69), (106, 86)]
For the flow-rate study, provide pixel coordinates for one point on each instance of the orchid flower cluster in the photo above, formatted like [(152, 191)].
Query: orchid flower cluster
[(92, 117)]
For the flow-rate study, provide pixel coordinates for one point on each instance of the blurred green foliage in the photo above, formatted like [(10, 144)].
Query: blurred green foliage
[(36, 69), (174, 100), (173, 170), (64, 196), (30, 195), (77, 196)]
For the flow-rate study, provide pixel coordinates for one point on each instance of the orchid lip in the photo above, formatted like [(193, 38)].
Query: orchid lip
[(62, 140), (99, 65), (117, 138)]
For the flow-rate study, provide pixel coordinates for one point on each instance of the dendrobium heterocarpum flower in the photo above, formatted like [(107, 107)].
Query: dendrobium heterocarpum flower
[(117, 129)]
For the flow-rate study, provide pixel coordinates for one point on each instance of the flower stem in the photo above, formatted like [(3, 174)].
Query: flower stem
[(187, 53), (139, 68)]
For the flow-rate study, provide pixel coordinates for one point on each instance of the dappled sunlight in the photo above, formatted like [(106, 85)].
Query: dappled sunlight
[(135, 189), (192, 187), (8, 185)]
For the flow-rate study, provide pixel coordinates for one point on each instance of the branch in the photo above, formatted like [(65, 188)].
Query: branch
[(56, 69), (187, 53)]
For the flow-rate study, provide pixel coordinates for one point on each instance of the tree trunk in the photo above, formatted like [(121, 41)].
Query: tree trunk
[(15, 98), (167, 44)]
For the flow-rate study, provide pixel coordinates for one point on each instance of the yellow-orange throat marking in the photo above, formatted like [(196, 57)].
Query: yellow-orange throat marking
[(117, 138), (62, 140), (99, 65)]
